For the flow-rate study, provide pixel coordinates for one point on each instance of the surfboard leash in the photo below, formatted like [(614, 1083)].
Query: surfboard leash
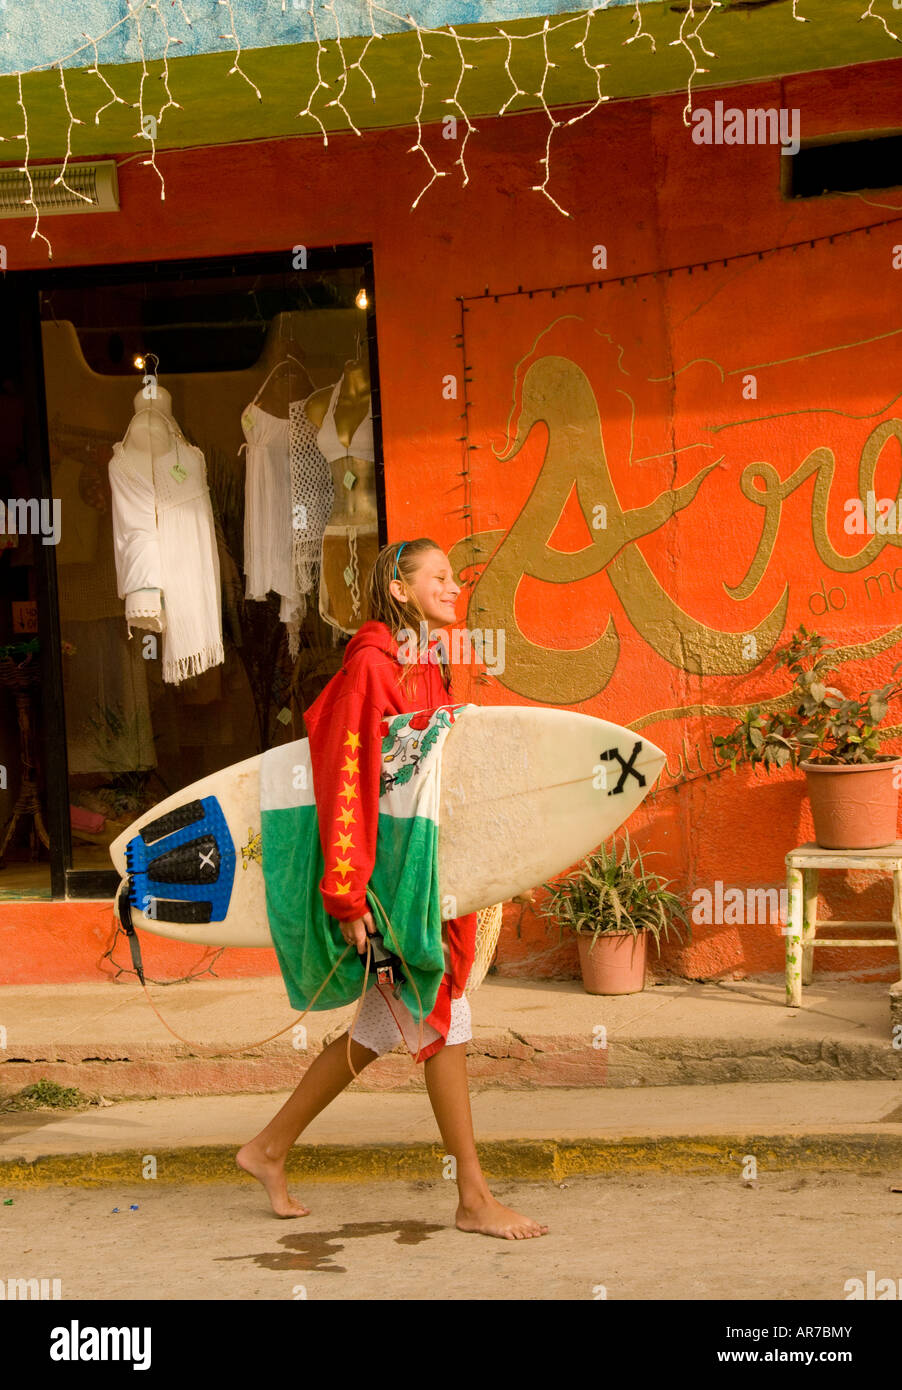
[(123, 910)]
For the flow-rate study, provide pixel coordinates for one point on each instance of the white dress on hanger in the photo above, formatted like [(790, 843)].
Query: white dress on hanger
[(165, 545), (268, 559)]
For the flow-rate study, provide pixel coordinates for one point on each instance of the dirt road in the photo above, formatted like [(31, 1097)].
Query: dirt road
[(793, 1237)]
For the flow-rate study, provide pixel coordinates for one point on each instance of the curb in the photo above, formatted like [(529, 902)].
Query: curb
[(512, 1061), (547, 1160)]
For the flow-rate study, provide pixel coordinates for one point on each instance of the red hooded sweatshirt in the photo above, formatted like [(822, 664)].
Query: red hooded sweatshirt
[(345, 727)]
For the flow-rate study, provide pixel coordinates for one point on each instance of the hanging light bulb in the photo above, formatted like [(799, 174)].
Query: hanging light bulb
[(361, 301)]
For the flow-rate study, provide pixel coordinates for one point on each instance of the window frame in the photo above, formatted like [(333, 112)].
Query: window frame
[(20, 295)]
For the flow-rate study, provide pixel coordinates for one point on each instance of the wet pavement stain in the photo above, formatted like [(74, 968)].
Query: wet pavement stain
[(314, 1251)]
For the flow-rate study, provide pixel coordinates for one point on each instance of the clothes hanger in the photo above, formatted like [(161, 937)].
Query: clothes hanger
[(355, 363), (357, 360), (174, 429), (286, 361), (289, 357)]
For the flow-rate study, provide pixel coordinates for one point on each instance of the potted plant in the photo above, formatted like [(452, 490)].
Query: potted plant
[(614, 905), (852, 786)]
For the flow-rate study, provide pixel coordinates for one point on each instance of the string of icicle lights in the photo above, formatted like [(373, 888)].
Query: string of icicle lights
[(695, 15)]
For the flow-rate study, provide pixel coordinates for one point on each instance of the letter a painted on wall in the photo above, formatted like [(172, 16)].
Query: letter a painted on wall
[(557, 392)]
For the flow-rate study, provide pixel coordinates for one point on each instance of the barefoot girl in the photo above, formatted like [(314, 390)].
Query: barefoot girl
[(411, 583)]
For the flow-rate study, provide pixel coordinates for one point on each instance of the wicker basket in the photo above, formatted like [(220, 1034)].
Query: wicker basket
[(488, 929), (18, 675)]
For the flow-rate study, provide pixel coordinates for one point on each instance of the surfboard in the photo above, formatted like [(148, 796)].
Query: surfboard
[(524, 794)]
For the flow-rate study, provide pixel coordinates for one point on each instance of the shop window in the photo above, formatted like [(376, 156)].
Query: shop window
[(212, 440)]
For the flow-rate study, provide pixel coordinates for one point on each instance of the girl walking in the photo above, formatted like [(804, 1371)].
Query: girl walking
[(411, 589)]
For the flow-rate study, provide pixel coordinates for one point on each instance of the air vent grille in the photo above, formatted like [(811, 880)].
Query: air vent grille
[(95, 181)]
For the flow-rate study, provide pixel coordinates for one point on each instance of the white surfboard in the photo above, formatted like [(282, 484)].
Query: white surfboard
[(525, 794)]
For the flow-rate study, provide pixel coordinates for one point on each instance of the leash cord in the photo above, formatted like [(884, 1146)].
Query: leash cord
[(123, 911)]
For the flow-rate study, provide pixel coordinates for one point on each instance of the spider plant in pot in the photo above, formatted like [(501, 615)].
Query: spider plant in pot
[(853, 787), (614, 905)]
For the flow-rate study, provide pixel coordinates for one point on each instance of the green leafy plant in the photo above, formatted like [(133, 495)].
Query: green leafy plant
[(820, 723), (611, 893), (44, 1094)]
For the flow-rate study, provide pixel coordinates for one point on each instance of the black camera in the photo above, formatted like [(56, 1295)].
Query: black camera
[(387, 964)]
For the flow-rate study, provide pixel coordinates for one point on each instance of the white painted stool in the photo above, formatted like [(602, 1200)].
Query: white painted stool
[(803, 866)]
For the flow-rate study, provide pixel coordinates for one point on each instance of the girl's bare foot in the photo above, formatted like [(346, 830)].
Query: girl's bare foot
[(490, 1218), (271, 1172)]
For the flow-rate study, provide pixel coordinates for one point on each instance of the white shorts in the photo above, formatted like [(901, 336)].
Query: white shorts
[(377, 1023)]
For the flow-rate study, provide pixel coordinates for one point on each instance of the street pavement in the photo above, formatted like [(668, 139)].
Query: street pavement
[(645, 1237)]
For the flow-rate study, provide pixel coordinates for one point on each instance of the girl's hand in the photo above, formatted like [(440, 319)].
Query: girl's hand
[(355, 933)]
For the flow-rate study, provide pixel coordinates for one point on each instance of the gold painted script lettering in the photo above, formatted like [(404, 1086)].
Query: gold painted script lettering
[(821, 462), (557, 391)]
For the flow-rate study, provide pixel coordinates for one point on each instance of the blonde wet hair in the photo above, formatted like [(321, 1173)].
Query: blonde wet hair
[(398, 614)]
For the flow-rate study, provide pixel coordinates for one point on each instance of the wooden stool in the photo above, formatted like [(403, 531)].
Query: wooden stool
[(803, 866)]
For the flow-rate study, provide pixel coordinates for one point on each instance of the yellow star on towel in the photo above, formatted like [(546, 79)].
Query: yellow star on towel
[(346, 815), (345, 841), (348, 790), (342, 866), (350, 764), (353, 741)]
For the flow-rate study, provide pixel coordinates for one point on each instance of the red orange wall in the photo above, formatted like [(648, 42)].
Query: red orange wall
[(634, 182)]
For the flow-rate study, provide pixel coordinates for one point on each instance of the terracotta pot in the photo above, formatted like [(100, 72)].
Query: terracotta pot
[(615, 964), (854, 806)]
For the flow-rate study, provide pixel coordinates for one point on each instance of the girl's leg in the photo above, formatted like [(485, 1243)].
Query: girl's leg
[(325, 1078), (478, 1210)]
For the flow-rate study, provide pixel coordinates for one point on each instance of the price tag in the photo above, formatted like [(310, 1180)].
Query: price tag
[(349, 480), (179, 472), (25, 616)]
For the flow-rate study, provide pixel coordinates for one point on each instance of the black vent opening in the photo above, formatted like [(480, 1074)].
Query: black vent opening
[(845, 166)]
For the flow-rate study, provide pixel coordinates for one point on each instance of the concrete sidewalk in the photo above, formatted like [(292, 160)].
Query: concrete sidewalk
[(106, 1039), (842, 1125)]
